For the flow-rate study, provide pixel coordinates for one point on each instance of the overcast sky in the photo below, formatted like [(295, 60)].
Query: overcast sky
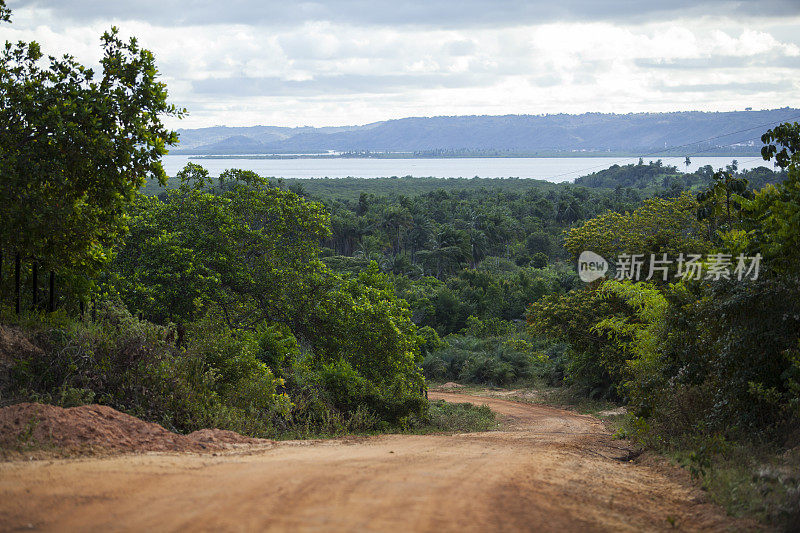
[(242, 63)]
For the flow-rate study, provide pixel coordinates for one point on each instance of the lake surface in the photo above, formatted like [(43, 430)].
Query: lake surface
[(554, 169)]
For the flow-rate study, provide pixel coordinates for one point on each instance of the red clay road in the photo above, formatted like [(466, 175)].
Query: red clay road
[(546, 470)]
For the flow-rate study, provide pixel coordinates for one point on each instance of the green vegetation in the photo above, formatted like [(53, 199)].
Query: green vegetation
[(452, 417), (69, 170), (710, 369), (205, 307), (215, 380), (654, 176), (491, 358), (642, 176), (234, 273), (287, 309), (351, 189)]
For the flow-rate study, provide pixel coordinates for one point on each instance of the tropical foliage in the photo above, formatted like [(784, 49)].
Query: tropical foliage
[(276, 309), (708, 367)]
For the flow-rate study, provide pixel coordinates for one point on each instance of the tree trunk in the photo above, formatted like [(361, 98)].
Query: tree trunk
[(16, 282), (180, 340), (35, 285), (81, 308), (728, 204), (51, 303)]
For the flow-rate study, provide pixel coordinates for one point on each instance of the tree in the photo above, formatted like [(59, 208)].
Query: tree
[(726, 192), (596, 362), (659, 226), (774, 213), (240, 249), (244, 259), (75, 149), (394, 220)]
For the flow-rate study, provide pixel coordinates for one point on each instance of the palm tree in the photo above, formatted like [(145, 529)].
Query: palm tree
[(395, 219)]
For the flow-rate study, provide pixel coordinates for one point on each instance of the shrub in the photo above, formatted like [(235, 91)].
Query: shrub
[(595, 363), (277, 346), (347, 388), (129, 365), (491, 327), (496, 361), (737, 344)]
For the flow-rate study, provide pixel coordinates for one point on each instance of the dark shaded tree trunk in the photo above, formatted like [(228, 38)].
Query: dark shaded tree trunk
[(181, 336), (16, 282), (728, 206), (51, 302), (94, 311), (35, 286), (81, 307), (1, 274)]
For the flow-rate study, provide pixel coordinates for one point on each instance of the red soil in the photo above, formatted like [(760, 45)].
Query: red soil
[(97, 427)]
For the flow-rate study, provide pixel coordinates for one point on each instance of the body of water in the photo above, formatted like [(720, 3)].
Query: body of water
[(555, 169)]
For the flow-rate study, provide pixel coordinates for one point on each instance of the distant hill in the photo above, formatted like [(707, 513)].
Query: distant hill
[(691, 132)]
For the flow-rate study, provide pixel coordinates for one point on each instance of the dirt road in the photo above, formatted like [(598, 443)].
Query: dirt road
[(547, 470)]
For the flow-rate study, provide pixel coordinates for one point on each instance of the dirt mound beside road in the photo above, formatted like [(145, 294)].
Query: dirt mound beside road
[(224, 438), (101, 428), (450, 385)]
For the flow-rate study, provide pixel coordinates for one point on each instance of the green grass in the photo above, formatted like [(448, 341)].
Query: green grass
[(457, 418), (442, 417), (747, 480)]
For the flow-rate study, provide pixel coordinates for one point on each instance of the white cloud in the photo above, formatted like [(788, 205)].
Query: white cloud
[(331, 72)]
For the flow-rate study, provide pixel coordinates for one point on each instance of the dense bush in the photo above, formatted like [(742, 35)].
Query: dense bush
[(490, 360), (595, 364), (724, 360), (497, 291), (692, 357), (638, 176), (133, 366), (441, 232), (220, 378), (710, 369), (658, 226), (236, 268)]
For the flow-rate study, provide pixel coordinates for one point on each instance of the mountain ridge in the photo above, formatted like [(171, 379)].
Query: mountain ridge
[(690, 131)]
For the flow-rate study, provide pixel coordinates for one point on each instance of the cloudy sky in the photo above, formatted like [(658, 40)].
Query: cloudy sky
[(326, 63)]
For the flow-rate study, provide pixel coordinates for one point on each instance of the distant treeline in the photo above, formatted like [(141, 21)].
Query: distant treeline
[(657, 175)]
